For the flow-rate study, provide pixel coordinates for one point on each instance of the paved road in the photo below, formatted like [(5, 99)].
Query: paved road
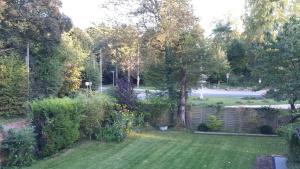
[(229, 93), (215, 93), (212, 92)]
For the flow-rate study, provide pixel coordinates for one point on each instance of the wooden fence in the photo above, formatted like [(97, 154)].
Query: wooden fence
[(238, 120)]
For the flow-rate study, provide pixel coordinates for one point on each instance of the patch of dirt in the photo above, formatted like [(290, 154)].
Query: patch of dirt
[(264, 162), (14, 125)]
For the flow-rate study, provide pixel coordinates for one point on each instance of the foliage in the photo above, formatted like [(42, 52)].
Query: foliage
[(266, 129), (74, 58), (13, 85), (213, 123), (203, 127), (280, 67), (57, 123), (289, 132), (96, 108), (40, 22), (47, 79), (125, 94), (237, 57), (19, 147), (263, 16), (118, 125), (155, 109), (36, 26), (91, 73)]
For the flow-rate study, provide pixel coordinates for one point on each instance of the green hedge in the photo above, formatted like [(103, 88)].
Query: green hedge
[(56, 123), (13, 85), (96, 107), (19, 147)]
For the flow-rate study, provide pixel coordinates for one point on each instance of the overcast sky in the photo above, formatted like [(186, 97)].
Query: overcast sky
[(86, 12)]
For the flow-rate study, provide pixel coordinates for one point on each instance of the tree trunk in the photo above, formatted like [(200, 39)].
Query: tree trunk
[(182, 102), (292, 103), (128, 76)]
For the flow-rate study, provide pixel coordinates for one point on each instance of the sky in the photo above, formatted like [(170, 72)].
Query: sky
[(85, 13)]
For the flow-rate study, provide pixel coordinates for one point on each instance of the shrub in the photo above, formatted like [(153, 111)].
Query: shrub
[(203, 127), (266, 129), (13, 85), (56, 123), (19, 147), (213, 123), (155, 108), (95, 108), (289, 132), (294, 148), (117, 125)]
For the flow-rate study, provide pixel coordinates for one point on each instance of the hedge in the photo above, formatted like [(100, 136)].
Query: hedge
[(56, 124)]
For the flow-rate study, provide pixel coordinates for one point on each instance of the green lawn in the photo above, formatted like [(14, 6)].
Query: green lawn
[(171, 150), (227, 101)]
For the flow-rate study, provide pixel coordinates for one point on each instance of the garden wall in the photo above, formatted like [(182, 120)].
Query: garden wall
[(238, 120)]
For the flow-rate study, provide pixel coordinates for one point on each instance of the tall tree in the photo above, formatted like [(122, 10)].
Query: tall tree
[(281, 67), (36, 24), (178, 42)]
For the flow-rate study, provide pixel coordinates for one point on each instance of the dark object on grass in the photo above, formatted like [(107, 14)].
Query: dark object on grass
[(203, 127), (266, 129), (264, 162)]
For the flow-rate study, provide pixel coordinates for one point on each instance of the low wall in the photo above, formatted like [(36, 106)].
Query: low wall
[(237, 120)]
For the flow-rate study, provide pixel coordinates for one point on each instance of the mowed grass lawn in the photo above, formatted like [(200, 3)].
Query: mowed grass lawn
[(170, 150)]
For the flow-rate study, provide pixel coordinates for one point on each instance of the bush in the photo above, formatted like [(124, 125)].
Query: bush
[(13, 85), (95, 107), (213, 123), (294, 148), (203, 127), (289, 132), (56, 123), (19, 147), (154, 109), (266, 129), (117, 125)]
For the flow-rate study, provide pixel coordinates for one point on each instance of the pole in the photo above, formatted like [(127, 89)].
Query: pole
[(117, 56), (100, 64), (113, 72), (113, 78), (138, 70), (201, 94), (28, 68)]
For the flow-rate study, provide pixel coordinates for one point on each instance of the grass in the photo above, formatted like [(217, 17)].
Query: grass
[(170, 150), (227, 101)]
